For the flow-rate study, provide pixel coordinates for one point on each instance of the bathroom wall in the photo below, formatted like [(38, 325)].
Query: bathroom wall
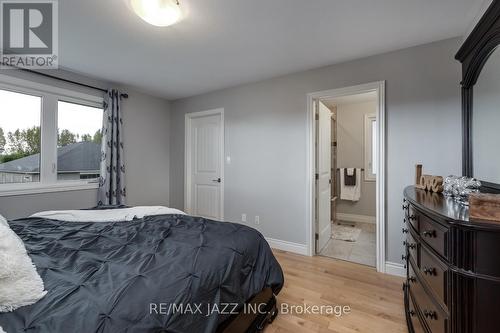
[(350, 154)]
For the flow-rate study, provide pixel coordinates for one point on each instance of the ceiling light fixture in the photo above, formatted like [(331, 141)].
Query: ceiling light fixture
[(160, 13)]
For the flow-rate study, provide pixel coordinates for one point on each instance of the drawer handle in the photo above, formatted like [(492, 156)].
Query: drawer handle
[(429, 233), (409, 245), (412, 313), (405, 231), (412, 279), (405, 207), (430, 314), (413, 217), (404, 257), (430, 271)]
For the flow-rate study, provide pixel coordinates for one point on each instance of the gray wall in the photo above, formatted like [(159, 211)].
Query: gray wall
[(266, 135), (147, 149), (147, 156), (351, 154)]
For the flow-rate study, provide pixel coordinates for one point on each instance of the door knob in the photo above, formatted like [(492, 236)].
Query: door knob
[(218, 180)]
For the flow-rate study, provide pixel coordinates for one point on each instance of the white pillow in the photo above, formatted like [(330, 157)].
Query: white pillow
[(20, 284), (107, 215)]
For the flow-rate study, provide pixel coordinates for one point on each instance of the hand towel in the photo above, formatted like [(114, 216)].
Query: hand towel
[(350, 177), (351, 193)]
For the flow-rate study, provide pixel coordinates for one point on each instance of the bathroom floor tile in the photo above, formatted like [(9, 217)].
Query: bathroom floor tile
[(362, 251)]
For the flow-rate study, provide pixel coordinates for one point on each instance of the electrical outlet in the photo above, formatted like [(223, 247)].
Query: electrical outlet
[(257, 219), (243, 217)]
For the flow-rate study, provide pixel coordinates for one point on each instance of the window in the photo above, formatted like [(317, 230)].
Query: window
[(49, 138), (20, 137), (370, 147), (78, 141)]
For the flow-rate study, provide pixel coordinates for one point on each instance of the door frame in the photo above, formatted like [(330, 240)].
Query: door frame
[(187, 156), (379, 88)]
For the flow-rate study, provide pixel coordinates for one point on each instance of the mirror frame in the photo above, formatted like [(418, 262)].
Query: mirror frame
[(474, 53)]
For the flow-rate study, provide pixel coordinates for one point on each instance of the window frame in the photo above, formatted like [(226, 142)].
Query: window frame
[(50, 96), (369, 175)]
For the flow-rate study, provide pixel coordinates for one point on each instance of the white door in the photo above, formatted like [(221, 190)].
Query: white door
[(204, 164), (324, 172)]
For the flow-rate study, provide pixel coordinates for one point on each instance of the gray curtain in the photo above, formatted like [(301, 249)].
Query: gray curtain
[(112, 189)]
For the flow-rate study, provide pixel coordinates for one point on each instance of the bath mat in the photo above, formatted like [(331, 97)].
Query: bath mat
[(345, 233)]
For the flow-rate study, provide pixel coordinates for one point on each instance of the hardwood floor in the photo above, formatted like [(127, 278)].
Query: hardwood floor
[(375, 300)]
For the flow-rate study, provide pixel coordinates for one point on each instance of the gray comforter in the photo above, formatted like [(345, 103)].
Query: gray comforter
[(125, 276)]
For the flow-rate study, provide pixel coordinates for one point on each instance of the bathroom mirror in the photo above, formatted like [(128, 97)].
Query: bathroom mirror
[(486, 122)]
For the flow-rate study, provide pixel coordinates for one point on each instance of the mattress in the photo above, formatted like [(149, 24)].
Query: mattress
[(164, 273)]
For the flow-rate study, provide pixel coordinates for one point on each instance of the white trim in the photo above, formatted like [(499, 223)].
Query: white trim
[(48, 140), (369, 176), (378, 87), (187, 156), (37, 188), (50, 96), (356, 218), (287, 246), (396, 269), (38, 89)]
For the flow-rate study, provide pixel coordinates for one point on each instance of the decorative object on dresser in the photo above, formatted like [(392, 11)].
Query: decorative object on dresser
[(431, 183), (453, 274), (460, 188), (485, 207), (428, 182), (418, 173)]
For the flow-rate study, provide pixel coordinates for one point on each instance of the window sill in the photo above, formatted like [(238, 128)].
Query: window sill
[(37, 188)]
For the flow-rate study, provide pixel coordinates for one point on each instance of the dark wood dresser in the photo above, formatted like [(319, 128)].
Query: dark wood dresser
[(453, 267)]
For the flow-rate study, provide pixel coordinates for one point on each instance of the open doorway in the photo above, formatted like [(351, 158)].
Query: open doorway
[(347, 164)]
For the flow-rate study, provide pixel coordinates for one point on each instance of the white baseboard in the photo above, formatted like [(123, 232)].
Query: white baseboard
[(393, 268), (287, 246), (356, 218)]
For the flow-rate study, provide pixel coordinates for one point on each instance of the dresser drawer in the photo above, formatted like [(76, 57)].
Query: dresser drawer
[(433, 234), (432, 315), (415, 320), (435, 273)]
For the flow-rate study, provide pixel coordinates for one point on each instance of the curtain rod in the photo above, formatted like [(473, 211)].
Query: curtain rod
[(124, 95)]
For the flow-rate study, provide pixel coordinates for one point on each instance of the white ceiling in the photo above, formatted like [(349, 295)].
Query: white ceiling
[(223, 43)]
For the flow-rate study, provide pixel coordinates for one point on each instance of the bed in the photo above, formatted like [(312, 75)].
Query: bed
[(157, 273)]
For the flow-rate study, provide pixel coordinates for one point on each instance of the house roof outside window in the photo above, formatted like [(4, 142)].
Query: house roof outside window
[(83, 157)]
